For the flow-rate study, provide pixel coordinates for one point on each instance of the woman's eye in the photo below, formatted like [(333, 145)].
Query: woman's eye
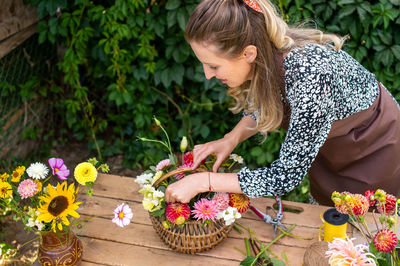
[(213, 68)]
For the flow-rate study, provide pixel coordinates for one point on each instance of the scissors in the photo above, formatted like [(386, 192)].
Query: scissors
[(269, 220)]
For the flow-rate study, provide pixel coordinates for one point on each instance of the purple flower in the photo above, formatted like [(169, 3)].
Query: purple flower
[(59, 168)]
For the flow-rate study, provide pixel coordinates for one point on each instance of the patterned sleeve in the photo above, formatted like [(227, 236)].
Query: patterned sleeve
[(312, 114)]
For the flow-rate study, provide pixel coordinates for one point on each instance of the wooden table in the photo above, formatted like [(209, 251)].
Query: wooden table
[(138, 243)]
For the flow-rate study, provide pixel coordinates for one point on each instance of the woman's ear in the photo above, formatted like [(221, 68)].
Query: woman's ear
[(250, 53)]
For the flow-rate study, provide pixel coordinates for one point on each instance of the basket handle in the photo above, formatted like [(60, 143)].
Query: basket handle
[(174, 172)]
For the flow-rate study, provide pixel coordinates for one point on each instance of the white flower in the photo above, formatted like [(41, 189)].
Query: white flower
[(236, 158), (158, 194), (39, 225), (37, 171), (229, 215), (31, 222), (157, 176), (144, 179)]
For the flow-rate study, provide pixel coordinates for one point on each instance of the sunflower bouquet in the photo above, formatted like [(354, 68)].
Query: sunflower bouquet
[(381, 242), (204, 207), (45, 199)]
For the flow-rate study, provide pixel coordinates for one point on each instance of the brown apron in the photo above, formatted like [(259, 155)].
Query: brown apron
[(361, 152)]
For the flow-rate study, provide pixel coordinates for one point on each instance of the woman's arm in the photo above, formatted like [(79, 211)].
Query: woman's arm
[(185, 189), (222, 148)]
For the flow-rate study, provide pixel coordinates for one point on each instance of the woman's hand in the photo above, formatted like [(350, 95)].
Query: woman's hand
[(222, 148), (186, 188)]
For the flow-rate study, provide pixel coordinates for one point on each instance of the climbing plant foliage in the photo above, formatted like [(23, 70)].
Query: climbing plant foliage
[(124, 61)]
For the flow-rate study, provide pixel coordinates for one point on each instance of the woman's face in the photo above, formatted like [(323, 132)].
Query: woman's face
[(231, 71)]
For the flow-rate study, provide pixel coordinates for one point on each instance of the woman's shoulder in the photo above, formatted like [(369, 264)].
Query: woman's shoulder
[(309, 54)]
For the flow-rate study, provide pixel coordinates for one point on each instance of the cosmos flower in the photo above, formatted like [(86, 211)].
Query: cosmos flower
[(385, 240), (205, 209), (27, 188), (343, 252), (122, 215), (59, 168), (37, 171), (240, 201), (175, 211)]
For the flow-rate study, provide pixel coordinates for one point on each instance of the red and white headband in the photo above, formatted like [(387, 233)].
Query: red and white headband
[(253, 5)]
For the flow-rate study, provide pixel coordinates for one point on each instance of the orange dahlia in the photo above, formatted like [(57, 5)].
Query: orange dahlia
[(388, 206), (385, 240), (177, 210), (240, 201), (357, 203)]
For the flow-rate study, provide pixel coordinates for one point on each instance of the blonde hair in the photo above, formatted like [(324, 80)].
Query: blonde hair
[(231, 25)]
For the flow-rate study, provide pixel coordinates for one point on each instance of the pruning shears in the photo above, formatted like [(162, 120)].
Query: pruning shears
[(269, 220)]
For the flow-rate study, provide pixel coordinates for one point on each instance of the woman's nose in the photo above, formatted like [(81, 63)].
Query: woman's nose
[(208, 73)]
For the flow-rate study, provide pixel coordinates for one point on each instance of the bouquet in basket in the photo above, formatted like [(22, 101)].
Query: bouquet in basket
[(381, 245), (204, 207)]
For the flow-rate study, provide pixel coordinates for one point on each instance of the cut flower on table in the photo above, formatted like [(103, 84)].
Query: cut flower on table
[(381, 241)]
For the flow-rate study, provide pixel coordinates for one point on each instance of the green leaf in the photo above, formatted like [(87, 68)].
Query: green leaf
[(181, 17), (346, 11), (204, 131), (172, 4), (248, 261), (396, 51)]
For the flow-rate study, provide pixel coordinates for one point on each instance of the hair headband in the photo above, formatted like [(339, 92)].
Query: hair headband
[(253, 5)]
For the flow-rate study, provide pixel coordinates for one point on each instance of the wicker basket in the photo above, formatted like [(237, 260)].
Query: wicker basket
[(192, 237)]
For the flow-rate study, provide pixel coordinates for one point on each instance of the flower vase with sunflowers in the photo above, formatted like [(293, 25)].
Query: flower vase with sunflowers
[(45, 198), (206, 211)]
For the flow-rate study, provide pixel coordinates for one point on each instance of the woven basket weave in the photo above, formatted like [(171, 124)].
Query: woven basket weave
[(192, 237)]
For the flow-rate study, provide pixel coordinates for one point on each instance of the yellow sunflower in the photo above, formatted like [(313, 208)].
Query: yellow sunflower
[(58, 204), (4, 177), (85, 172), (5, 190), (17, 173), (39, 185)]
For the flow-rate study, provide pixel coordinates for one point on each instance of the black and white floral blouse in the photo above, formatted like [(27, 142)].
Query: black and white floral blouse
[(322, 86)]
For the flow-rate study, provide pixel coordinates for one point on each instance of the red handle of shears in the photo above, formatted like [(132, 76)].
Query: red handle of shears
[(259, 214)]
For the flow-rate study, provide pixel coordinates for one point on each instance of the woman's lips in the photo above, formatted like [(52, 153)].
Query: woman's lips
[(224, 81)]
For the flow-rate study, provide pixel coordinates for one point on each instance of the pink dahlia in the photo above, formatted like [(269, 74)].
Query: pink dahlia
[(59, 168), (389, 206), (182, 175), (240, 201), (343, 252), (27, 188), (222, 201), (188, 158), (385, 240), (174, 211), (205, 209), (162, 164)]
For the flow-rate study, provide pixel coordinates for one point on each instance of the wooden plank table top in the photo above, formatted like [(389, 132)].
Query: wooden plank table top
[(139, 244)]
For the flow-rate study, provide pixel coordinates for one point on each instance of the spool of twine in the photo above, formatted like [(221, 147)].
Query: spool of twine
[(315, 254)]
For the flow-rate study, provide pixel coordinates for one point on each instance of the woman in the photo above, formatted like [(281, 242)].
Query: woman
[(342, 124)]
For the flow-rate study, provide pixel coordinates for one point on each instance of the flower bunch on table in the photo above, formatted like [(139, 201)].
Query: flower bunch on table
[(381, 242), (204, 207), (45, 197)]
